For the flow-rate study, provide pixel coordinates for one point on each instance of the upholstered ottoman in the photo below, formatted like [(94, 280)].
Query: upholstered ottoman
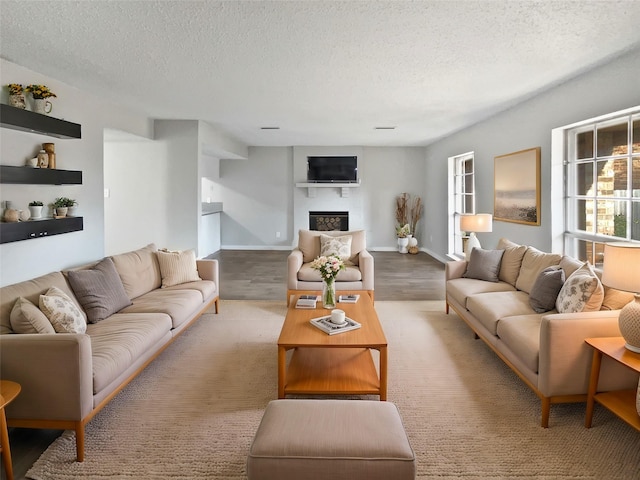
[(330, 439)]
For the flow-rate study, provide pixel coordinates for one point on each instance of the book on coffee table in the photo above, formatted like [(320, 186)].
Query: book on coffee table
[(326, 325), (307, 301), (348, 298)]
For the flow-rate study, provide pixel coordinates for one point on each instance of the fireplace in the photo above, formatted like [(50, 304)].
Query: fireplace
[(329, 221)]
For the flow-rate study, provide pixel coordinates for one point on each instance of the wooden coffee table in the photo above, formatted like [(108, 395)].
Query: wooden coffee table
[(340, 364)]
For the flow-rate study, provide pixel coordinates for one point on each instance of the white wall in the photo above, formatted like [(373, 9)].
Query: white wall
[(30, 258), (606, 89)]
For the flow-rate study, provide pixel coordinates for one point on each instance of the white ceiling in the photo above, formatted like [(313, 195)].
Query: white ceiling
[(325, 72)]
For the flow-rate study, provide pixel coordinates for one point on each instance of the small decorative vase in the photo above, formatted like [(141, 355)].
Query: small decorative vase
[(43, 159), (403, 242), (61, 211), (42, 105), (36, 211), (329, 294), (17, 101), (413, 241)]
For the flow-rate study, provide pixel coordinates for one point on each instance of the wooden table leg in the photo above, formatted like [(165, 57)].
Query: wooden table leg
[(383, 374), (282, 370), (4, 442), (593, 386)]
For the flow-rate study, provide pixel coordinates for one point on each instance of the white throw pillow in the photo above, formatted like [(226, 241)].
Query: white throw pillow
[(177, 267), (62, 312), (338, 246), (581, 292)]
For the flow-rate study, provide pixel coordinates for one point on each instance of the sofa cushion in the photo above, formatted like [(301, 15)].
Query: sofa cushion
[(180, 305), (511, 260), (522, 335), (309, 243), (582, 292), (138, 270), (349, 274), (62, 312), (206, 287), (569, 265), (484, 264), (99, 290), (339, 246), (489, 308), (177, 267), (533, 262), (544, 292), (27, 318), (615, 299), (122, 339), (462, 288)]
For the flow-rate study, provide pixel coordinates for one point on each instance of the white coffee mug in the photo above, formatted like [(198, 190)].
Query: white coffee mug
[(337, 316)]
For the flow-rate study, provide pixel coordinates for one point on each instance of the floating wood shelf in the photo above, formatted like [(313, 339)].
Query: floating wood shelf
[(39, 176), (14, 232), (28, 121)]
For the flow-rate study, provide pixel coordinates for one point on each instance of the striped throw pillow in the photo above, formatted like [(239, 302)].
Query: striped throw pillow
[(177, 267)]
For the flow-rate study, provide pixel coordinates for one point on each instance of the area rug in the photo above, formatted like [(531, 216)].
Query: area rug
[(193, 412)]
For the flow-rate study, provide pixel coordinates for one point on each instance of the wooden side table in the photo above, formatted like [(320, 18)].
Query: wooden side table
[(8, 392), (620, 402)]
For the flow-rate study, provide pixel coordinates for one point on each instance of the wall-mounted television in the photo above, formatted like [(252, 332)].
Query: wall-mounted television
[(332, 169)]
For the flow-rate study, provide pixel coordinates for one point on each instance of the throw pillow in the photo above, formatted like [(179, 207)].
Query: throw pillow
[(62, 312), (615, 299), (27, 318), (582, 292), (99, 290), (484, 264), (338, 246), (177, 267), (546, 288), (511, 260)]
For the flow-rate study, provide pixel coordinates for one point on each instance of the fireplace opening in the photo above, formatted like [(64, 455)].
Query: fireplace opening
[(329, 221)]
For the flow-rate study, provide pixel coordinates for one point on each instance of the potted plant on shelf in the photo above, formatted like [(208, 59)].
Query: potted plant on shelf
[(35, 208), (16, 95), (40, 93), (61, 205)]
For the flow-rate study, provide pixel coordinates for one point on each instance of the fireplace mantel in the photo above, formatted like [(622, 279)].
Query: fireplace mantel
[(344, 187)]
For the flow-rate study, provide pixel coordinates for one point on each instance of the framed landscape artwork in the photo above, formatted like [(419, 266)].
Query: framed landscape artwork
[(516, 195)]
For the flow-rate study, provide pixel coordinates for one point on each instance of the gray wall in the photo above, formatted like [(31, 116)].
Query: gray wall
[(609, 88)]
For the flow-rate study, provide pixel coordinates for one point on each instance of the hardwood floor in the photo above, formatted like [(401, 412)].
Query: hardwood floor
[(262, 275)]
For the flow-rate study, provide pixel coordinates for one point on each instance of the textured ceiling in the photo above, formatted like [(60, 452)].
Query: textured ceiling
[(325, 72)]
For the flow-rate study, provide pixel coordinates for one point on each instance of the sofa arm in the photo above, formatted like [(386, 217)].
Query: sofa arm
[(294, 263), (55, 373), (454, 269), (208, 270), (565, 359), (365, 262)]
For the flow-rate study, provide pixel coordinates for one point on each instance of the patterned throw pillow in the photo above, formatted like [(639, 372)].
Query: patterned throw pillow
[(582, 292), (339, 246), (177, 267), (63, 314), (27, 318)]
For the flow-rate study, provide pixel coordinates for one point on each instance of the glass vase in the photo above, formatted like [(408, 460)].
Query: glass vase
[(329, 294)]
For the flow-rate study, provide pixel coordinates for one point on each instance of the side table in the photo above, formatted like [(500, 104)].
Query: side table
[(8, 392), (621, 402)]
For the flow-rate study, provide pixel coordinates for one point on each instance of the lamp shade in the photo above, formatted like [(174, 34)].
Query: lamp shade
[(480, 222), (621, 269)]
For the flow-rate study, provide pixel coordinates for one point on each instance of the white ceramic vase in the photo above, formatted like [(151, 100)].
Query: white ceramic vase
[(42, 106), (36, 211), (403, 242)]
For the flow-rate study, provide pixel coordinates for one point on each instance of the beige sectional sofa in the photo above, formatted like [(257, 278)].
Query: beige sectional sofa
[(545, 348), (67, 378)]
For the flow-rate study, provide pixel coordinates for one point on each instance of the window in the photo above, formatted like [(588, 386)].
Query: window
[(462, 199), (603, 185)]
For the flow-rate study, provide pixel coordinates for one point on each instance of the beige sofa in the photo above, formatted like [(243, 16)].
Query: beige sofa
[(546, 350), (67, 378), (301, 278)]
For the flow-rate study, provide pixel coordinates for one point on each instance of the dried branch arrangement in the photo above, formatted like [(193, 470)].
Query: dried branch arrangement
[(416, 213), (402, 204)]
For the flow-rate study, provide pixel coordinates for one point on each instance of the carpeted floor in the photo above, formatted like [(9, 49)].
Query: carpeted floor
[(193, 412)]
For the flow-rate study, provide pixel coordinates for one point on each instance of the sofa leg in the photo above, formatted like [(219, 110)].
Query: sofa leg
[(446, 308), (546, 409), (79, 442), (217, 304)]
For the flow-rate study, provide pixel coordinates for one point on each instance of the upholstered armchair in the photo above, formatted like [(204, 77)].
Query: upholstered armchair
[(301, 278)]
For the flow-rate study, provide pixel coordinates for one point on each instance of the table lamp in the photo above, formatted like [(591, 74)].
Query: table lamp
[(621, 270), (480, 222)]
